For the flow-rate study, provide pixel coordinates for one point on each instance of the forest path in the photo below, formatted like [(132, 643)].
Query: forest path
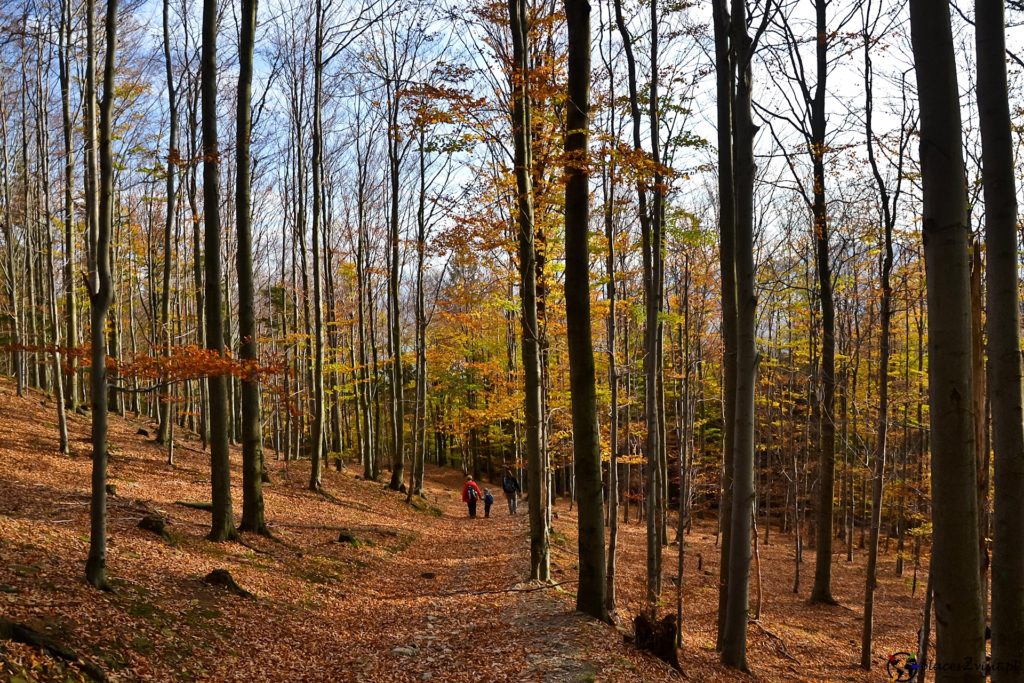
[(423, 593)]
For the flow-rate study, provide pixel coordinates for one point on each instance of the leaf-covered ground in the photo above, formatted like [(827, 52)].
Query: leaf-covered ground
[(423, 593)]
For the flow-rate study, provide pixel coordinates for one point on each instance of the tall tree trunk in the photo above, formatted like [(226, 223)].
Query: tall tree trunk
[(734, 641), (726, 256), (608, 185), (17, 355), (317, 427), (652, 301), (172, 164), (252, 420), (888, 203), (419, 418), (821, 592), (958, 606), (223, 524), (590, 596), (540, 561), (1003, 343), (43, 145), (70, 295), (394, 316), (100, 294)]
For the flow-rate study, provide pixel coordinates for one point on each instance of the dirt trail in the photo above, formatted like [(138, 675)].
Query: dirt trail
[(422, 594)]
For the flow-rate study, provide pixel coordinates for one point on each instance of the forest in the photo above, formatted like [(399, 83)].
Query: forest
[(726, 292)]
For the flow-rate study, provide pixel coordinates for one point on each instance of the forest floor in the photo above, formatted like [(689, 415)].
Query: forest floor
[(424, 593)]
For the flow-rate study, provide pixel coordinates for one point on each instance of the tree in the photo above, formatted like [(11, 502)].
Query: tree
[(888, 204), (317, 426), (724, 89), (223, 524), (590, 597), (958, 602), (1004, 377), (822, 589), (163, 433), (100, 296), (650, 222), (71, 297), (734, 640), (540, 561), (252, 420)]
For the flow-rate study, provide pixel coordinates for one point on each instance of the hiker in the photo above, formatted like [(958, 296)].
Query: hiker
[(488, 502), (510, 485), (471, 494)]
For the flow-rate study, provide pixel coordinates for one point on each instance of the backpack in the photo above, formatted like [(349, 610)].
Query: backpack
[(471, 494), (509, 484)]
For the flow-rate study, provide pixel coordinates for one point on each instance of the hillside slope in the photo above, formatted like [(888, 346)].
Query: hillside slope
[(423, 593)]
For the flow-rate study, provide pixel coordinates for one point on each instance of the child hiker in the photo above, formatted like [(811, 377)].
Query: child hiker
[(488, 502)]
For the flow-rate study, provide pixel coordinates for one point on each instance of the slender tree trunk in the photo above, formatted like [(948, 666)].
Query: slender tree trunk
[(252, 419), (540, 561), (317, 426), (223, 523), (100, 295), (17, 355), (43, 146), (652, 307), (888, 205), (958, 606), (608, 185), (70, 291), (419, 418), (394, 316), (821, 592), (1003, 343), (172, 164)]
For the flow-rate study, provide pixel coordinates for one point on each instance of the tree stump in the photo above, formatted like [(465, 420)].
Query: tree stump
[(154, 523), (222, 577), (657, 636)]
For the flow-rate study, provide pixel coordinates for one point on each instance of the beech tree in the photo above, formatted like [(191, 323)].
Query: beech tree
[(223, 523), (590, 598), (100, 291), (522, 127), (959, 611), (252, 420), (1004, 364), (734, 637)]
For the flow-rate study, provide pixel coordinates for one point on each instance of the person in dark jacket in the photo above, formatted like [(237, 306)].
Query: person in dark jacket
[(510, 485), (488, 502), (471, 494)]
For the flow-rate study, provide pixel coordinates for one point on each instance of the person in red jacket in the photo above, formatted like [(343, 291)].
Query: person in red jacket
[(471, 494)]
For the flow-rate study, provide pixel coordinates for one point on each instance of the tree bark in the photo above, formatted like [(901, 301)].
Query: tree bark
[(252, 419), (590, 595), (70, 291), (101, 294), (821, 592), (223, 524), (734, 641), (317, 427), (958, 605), (172, 164), (727, 266), (540, 560), (1003, 343)]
